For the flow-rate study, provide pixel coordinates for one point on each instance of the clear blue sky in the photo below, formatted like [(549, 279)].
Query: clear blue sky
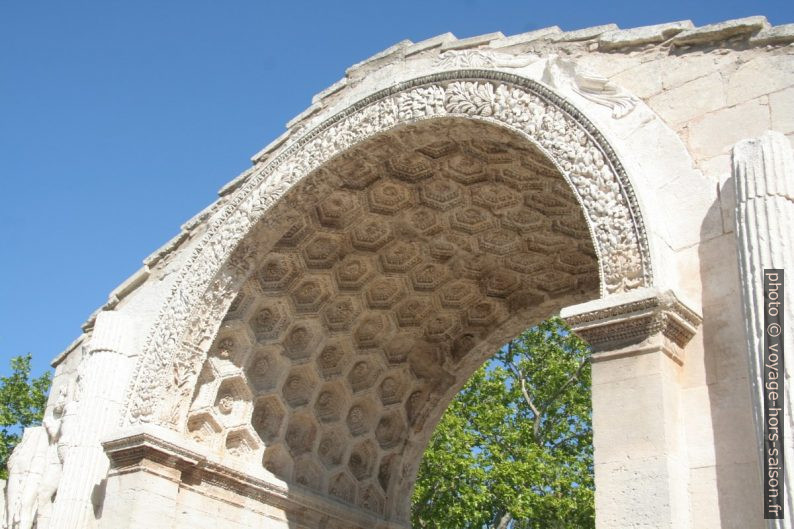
[(120, 120)]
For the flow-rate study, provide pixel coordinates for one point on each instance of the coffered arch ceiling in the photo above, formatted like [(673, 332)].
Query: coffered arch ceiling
[(424, 250)]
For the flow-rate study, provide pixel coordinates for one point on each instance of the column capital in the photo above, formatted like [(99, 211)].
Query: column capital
[(633, 322), (113, 331), (150, 442)]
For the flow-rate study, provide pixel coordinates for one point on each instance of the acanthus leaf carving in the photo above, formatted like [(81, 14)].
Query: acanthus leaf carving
[(473, 98)]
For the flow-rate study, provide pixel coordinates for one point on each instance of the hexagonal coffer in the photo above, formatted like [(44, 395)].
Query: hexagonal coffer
[(397, 349), (359, 418), (391, 390), (340, 313), (241, 442), (264, 368), (441, 326), (269, 321), (442, 194), (371, 330), (329, 403), (203, 428), (301, 433), (500, 241), (322, 251), (493, 152), (390, 430), (232, 401), (386, 469), (424, 220), (337, 210), (372, 500), (554, 281), (302, 340), (400, 256), (352, 272), (410, 167), (277, 272), (354, 170), (384, 292), (472, 220), (343, 487), (523, 220), (331, 448), (232, 346), (362, 460), (494, 196), (438, 149), (389, 197), (412, 311), (429, 276), (466, 169), (333, 358), (363, 375), (370, 234), (294, 234), (310, 293), (308, 473), (299, 386), (500, 283), (267, 418), (277, 461)]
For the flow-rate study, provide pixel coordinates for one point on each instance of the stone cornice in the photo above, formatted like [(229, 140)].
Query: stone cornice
[(130, 450), (616, 322)]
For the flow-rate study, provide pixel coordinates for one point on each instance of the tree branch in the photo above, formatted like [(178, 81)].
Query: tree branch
[(504, 521), (567, 383), (523, 383)]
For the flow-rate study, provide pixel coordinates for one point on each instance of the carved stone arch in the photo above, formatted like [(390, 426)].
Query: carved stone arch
[(223, 259)]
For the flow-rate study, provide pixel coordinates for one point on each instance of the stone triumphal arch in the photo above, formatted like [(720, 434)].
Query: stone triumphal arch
[(283, 360)]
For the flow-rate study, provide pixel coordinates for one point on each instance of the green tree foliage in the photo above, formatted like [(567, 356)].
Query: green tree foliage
[(22, 403), (514, 449)]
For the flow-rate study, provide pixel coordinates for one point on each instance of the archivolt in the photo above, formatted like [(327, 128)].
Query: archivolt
[(174, 351)]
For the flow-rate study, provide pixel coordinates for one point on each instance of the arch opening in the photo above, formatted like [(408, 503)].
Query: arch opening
[(223, 257), (421, 251)]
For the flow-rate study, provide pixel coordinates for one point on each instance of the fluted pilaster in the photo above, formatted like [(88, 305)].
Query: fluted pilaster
[(763, 170), (105, 376)]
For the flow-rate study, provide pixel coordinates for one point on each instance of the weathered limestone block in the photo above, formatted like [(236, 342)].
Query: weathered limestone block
[(625, 38), (777, 71), (717, 132), (638, 342), (472, 42), (763, 171), (523, 38), (584, 34), (781, 108), (776, 35), (721, 31), (690, 100)]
